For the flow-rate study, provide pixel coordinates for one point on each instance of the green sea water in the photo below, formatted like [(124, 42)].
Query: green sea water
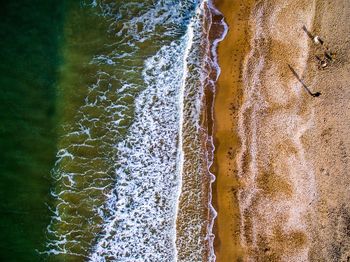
[(46, 76), (31, 35), (90, 102), (89, 119)]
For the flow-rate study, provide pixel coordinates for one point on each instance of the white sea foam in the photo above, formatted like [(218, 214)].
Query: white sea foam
[(126, 190), (143, 203), (194, 236)]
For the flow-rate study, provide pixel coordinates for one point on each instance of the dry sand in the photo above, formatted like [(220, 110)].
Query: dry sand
[(282, 188)]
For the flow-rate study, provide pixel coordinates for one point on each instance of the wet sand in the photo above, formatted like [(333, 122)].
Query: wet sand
[(282, 191), (231, 53)]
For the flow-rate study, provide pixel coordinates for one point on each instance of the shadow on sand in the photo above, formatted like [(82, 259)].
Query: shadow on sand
[(316, 94)]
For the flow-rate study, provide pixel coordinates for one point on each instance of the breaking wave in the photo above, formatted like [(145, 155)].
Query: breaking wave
[(125, 141)]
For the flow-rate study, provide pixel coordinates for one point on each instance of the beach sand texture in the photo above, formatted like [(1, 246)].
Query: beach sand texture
[(282, 191)]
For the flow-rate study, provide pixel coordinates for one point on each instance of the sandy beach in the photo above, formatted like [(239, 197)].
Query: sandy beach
[(231, 53), (281, 123)]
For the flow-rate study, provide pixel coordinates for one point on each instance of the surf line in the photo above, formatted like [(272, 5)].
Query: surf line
[(205, 5), (214, 65), (189, 38)]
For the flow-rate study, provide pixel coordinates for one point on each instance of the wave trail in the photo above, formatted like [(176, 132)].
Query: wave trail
[(143, 202), (216, 26), (117, 175), (195, 213)]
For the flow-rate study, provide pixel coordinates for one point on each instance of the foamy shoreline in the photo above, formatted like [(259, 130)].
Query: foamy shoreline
[(218, 24), (195, 173)]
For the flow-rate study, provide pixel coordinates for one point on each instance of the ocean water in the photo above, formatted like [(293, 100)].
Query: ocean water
[(31, 33), (130, 179)]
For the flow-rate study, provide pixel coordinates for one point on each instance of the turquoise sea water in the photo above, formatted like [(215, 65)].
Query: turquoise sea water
[(31, 34)]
